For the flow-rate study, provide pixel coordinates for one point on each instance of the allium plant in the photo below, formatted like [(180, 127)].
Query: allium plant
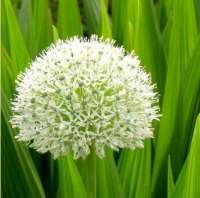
[(84, 93)]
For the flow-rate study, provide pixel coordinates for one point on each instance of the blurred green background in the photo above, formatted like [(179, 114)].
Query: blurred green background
[(165, 34)]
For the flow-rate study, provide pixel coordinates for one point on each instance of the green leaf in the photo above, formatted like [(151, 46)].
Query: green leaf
[(108, 184), (41, 32), (102, 183), (55, 34), (35, 22), (188, 109), (188, 182), (104, 25), (166, 36), (14, 43), (182, 40), (119, 18), (126, 165), (170, 180), (134, 25), (8, 73), (25, 17), (135, 171), (112, 175), (166, 8), (197, 7), (4, 28), (68, 23), (91, 15), (70, 182), (24, 171), (129, 37), (147, 41)]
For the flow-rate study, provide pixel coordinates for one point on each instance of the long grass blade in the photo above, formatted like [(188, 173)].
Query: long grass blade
[(170, 180), (104, 25), (178, 57), (22, 169), (135, 172), (91, 15), (188, 109), (14, 43), (41, 32), (68, 23), (70, 182), (188, 182)]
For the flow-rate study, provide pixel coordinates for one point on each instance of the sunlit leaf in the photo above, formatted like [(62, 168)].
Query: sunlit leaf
[(188, 182), (69, 23)]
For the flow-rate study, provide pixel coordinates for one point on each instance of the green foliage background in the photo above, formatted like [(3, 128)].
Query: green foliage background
[(166, 36)]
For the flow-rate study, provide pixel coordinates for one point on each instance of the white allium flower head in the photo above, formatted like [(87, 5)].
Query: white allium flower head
[(84, 92)]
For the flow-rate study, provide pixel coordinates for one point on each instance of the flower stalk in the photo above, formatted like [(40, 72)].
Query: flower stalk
[(91, 173)]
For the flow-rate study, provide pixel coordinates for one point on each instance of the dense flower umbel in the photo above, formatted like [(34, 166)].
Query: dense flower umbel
[(79, 93)]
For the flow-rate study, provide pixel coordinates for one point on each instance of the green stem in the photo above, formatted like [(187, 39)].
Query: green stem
[(91, 174)]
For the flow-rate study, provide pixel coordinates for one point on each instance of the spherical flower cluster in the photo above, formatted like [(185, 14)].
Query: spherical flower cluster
[(84, 92)]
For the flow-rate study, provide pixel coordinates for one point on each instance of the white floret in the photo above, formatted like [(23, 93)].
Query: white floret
[(81, 92)]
